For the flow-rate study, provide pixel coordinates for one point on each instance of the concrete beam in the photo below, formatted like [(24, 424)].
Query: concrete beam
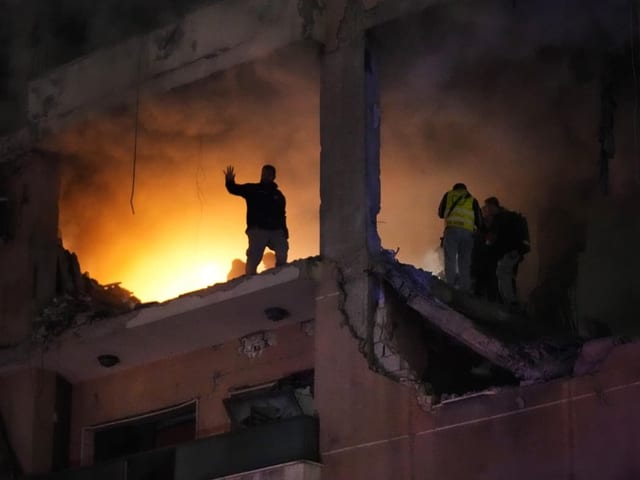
[(211, 39), (381, 11)]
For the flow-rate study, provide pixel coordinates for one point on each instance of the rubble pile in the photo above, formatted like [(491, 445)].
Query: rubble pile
[(80, 299)]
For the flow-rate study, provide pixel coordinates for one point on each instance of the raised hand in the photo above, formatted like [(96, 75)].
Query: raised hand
[(229, 174)]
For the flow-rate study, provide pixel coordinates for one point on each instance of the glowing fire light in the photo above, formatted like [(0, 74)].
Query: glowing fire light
[(159, 277), (187, 229)]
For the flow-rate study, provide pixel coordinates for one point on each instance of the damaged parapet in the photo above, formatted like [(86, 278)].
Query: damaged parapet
[(79, 299), (420, 337)]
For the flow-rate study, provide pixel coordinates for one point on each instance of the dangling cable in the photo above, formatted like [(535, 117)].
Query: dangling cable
[(135, 132)]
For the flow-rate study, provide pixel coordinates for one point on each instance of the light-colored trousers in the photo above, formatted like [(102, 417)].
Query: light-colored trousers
[(458, 248), (259, 239)]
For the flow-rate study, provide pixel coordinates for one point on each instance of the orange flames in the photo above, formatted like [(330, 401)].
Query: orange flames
[(187, 229), (175, 243)]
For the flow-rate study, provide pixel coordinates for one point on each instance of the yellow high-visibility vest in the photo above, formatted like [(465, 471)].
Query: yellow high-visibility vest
[(462, 215)]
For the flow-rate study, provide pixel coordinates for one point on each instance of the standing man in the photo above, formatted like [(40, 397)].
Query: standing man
[(486, 282), (461, 214), (508, 238), (266, 217)]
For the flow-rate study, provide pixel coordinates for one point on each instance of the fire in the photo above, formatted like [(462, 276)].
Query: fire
[(160, 266), (181, 238), (187, 229), (161, 277)]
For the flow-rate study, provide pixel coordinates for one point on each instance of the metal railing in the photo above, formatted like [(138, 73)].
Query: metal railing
[(211, 457)]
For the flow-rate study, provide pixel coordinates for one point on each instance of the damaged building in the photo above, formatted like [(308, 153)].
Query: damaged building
[(354, 360)]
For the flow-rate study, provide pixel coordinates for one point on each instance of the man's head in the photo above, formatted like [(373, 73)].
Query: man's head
[(268, 174), (491, 205), (459, 186)]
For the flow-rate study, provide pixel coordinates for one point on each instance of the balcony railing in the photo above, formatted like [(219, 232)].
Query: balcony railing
[(212, 457)]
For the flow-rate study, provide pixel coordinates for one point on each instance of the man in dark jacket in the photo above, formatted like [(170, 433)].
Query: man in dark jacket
[(508, 240), (266, 217)]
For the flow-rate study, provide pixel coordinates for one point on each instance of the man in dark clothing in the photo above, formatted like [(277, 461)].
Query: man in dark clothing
[(461, 215), (266, 217), (485, 262), (508, 241)]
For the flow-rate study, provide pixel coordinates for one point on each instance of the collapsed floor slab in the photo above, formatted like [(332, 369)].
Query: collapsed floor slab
[(529, 360)]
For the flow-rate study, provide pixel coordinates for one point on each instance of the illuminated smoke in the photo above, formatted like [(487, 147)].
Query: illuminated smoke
[(504, 99), (187, 229)]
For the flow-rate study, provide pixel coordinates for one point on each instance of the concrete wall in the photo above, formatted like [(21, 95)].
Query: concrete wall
[(372, 428), (28, 258), (27, 406), (608, 279), (205, 375), (196, 47)]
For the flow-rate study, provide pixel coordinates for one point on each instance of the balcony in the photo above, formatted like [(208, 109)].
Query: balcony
[(284, 442)]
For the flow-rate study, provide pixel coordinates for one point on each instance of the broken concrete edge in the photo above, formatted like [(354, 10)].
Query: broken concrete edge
[(533, 362), (592, 356), (365, 345), (576, 361), (21, 355)]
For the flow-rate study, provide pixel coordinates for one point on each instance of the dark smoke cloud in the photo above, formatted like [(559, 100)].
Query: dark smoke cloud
[(38, 35), (506, 99)]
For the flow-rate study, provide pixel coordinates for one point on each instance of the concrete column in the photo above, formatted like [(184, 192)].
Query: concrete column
[(28, 277), (350, 168), (27, 406)]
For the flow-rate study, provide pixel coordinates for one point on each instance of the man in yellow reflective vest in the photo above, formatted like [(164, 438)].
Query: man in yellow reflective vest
[(462, 217)]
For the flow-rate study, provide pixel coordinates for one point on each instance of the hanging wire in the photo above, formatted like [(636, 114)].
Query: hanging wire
[(135, 132)]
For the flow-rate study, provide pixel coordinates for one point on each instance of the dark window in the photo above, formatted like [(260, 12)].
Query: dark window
[(289, 397), (162, 429)]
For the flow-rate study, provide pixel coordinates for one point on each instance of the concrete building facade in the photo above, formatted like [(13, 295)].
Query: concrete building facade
[(344, 366)]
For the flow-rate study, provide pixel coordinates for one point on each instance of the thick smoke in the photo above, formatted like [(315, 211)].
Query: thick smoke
[(38, 35), (504, 97), (187, 229)]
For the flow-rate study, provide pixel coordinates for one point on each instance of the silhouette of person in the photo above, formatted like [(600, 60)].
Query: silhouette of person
[(266, 216)]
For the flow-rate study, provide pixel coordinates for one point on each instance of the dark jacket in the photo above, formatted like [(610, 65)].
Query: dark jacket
[(265, 204), (509, 232)]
